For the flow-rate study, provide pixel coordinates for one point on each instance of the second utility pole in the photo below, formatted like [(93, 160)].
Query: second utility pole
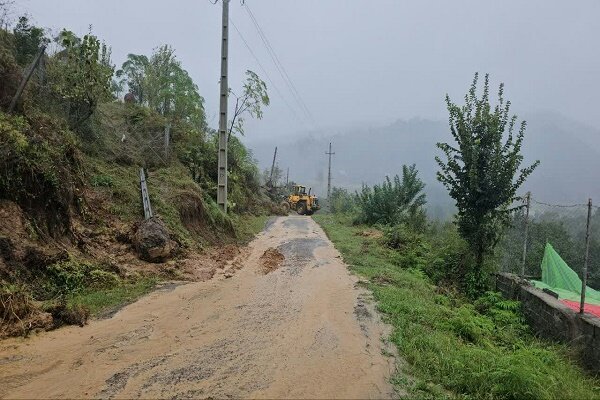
[(329, 173), (222, 172)]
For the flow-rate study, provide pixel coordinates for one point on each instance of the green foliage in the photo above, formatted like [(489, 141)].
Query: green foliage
[(99, 300), (71, 276), (483, 172), (254, 96), (162, 84), (453, 347), (133, 75), (27, 40), (39, 168), (341, 201), (80, 76), (102, 181), (449, 257), (393, 202), (412, 250)]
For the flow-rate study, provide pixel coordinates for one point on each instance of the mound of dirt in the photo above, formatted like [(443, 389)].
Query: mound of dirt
[(271, 260), (153, 241)]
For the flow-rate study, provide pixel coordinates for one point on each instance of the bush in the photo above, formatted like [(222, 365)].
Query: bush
[(393, 202), (411, 249), (72, 276), (341, 201)]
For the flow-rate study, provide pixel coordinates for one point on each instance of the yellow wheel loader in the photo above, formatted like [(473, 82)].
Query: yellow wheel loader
[(301, 202)]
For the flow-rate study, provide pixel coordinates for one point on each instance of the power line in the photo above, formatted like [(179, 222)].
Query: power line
[(265, 71), (280, 68), (279, 65)]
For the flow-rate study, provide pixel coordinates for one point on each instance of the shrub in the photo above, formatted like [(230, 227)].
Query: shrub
[(393, 202)]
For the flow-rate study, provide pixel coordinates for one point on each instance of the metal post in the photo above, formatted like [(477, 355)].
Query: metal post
[(329, 173), (222, 172), (273, 167), (26, 78), (145, 196), (585, 260), (526, 234)]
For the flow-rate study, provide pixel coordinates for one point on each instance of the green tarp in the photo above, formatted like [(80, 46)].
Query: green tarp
[(558, 277)]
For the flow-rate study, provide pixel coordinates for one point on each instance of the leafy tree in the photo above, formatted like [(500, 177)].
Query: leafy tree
[(81, 75), (27, 40), (482, 172), (393, 202), (254, 96), (162, 84), (341, 201), (133, 74)]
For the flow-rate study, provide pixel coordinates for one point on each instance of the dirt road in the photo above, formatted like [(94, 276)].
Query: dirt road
[(265, 327)]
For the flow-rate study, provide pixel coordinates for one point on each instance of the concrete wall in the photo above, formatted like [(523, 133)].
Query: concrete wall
[(551, 319)]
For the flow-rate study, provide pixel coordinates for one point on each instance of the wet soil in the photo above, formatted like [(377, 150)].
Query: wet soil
[(304, 330)]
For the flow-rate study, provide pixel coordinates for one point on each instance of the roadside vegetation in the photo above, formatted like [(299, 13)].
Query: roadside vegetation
[(454, 347), (433, 280), (71, 152)]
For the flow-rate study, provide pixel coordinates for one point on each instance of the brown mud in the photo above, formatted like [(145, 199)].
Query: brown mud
[(304, 330)]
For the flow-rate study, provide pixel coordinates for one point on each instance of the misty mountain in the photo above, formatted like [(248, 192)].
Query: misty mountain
[(569, 153)]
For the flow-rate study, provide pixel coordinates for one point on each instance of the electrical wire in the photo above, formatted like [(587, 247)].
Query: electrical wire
[(260, 65), (280, 68)]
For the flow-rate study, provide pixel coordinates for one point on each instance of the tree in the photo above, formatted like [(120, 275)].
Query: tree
[(161, 83), (81, 75), (393, 202), (133, 74), (254, 96), (341, 201), (482, 172), (28, 40)]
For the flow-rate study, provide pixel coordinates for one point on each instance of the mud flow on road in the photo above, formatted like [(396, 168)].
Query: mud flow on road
[(284, 319)]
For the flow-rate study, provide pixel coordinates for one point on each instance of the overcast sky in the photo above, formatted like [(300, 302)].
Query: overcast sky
[(363, 61)]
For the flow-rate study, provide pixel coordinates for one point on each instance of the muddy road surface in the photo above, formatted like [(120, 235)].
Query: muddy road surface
[(284, 319)]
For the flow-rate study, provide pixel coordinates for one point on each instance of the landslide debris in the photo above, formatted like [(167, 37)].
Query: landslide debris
[(271, 260), (153, 242)]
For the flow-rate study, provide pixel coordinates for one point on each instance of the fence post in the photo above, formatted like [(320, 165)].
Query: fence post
[(145, 197), (26, 78), (585, 260), (527, 205)]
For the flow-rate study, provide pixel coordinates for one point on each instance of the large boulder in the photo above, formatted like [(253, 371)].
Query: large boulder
[(153, 242)]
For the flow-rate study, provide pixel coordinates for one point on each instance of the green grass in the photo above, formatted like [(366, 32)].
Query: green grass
[(248, 226), (98, 301), (452, 349)]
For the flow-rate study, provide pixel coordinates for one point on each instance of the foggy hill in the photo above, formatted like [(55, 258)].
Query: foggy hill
[(569, 153)]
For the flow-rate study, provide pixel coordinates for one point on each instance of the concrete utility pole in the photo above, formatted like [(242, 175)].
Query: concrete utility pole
[(287, 178), (273, 167), (222, 173), (329, 173), (26, 78)]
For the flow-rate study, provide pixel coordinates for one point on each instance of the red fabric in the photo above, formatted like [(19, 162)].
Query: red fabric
[(589, 308)]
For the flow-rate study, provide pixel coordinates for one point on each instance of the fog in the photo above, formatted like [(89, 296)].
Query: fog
[(360, 66)]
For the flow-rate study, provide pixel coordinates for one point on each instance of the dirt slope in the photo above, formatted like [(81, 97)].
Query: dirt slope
[(301, 330)]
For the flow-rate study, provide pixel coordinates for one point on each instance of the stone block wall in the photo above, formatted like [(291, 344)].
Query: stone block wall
[(551, 319)]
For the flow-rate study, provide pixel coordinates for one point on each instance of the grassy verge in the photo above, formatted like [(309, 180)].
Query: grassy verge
[(455, 348), (248, 226), (101, 301)]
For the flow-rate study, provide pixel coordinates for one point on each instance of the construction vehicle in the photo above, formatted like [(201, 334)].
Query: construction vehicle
[(301, 202)]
